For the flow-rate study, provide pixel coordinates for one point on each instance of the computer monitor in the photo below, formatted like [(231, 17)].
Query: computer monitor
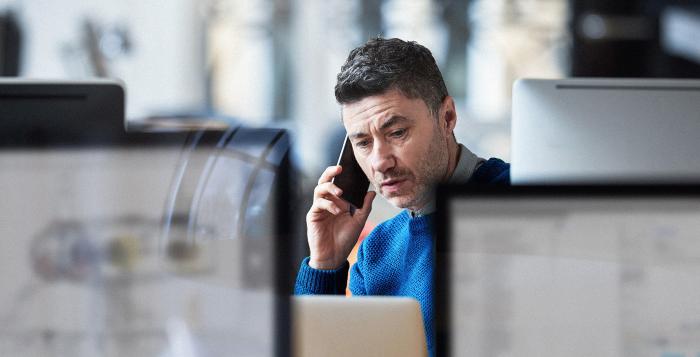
[(568, 271), (141, 244), (605, 130)]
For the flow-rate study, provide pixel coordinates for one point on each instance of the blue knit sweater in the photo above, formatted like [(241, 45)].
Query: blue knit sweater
[(396, 258)]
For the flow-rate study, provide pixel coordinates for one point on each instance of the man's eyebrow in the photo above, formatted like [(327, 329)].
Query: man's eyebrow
[(358, 135), (396, 119)]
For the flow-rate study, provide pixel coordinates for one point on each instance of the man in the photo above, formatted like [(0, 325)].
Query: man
[(400, 120)]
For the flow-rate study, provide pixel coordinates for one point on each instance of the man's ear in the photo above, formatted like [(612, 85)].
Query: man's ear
[(448, 115)]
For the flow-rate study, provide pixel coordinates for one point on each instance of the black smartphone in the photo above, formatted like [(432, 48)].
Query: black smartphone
[(352, 180)]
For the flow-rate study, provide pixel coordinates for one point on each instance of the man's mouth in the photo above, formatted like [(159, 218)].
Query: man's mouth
[(391, 185)]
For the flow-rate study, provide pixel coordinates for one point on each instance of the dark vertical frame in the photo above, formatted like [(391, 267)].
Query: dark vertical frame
[(284, 242), (442, 273)]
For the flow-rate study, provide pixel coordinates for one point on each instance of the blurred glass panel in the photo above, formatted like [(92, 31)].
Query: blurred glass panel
[(100, 263), (606, 273)]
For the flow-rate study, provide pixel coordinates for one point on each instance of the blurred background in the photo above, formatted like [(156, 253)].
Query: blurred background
[(274, 62), (266, 62)]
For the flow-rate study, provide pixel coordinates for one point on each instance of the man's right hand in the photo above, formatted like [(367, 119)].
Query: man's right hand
[(332, 230)]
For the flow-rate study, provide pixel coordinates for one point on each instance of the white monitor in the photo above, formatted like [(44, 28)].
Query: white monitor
[(605, 130)]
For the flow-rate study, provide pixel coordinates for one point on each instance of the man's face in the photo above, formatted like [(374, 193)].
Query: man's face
[(400, 145)]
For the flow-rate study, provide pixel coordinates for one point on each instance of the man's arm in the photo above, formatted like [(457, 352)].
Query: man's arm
[(332, 228), (312, 281)]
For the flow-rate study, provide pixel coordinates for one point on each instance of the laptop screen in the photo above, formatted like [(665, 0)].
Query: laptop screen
[(569, 271)]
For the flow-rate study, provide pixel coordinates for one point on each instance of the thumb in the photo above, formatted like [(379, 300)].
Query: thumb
[(366, 205)]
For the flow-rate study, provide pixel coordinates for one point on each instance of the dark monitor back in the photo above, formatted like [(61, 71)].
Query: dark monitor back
[(69, 114)]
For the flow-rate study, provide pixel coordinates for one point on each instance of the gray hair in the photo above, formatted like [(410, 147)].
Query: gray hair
[(384, 64)]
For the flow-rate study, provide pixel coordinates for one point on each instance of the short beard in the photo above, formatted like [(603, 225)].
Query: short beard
[(432, 168)]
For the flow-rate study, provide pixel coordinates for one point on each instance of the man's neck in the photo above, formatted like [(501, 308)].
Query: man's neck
[(453, 151)]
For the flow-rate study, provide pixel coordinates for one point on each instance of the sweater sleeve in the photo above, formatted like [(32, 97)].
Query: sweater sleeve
[(312, 281)]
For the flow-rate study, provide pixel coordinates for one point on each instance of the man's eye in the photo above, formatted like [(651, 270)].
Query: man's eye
[(398, 133), (362, 144)]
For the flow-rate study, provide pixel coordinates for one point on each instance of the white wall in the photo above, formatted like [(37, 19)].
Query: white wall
[(164, 71)]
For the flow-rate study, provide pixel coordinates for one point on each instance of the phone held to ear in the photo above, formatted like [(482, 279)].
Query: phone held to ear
[(352, 180)]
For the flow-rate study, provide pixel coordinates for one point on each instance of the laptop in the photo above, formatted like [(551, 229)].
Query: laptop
[(602, 271), (358, 326)]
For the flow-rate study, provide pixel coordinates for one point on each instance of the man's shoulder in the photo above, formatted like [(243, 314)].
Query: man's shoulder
[(493, 171)]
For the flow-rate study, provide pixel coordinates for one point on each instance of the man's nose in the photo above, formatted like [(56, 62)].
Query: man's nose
[(382, 158)]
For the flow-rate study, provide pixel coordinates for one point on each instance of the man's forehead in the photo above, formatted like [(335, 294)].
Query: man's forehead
[(370, 106), (381, 110)]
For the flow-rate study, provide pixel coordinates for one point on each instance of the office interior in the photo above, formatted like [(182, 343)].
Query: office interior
[(271, 65)]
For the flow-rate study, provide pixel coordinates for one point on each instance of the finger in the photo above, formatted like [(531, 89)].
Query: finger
[(341, 203), (327, 189), (325, 205), (329, 173)]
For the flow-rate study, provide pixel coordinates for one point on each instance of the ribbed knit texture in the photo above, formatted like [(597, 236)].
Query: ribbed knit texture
[(396, 258), (312, 281)]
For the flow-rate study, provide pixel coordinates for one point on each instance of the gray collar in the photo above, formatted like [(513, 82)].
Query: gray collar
[(467, 163)]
